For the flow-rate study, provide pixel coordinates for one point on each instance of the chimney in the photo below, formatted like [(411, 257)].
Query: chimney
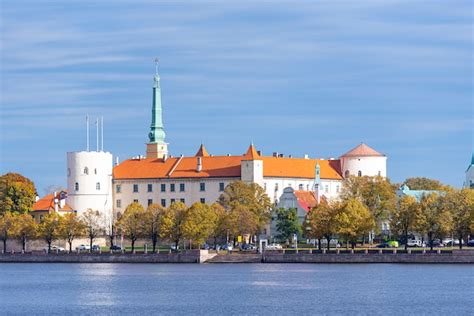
[(259, 152), (275, 154), (281, 155), (37, 198), (199, 164), (55, 199), (116, 161), (290, 156), (306, 156)]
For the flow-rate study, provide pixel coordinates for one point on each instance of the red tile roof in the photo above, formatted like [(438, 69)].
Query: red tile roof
[(47, 204), (202, 152), (306, 199), (362, 150), (251, 153)]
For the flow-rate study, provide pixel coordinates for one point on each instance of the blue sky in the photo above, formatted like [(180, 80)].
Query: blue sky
[(315, 77)]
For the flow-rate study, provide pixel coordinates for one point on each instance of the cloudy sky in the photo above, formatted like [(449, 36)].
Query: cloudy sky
[(297, 77)]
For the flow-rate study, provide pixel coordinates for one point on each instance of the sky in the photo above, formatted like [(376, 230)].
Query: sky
[(296, 77)]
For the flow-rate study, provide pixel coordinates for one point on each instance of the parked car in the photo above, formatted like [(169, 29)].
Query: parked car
[(115, 248), (248, 247), (414, 243), (449, 242), (228, 247), (83, 247), (95, 248), (273, 246), (470, 243), (388, 244), (55, 248)]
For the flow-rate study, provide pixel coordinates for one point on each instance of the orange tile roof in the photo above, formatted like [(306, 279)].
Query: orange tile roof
[(251, 153), (223, 167), (306, 199), (202, 152), (362, 150), (47, 204)]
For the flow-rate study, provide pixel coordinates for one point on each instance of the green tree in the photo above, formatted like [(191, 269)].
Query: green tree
[(321, 221), (404, 218), (172, 223), (422, 183), (71, 227), (199, 224), (6, 228), (287, 223), (133, 222), (93, 224), (377, 193), (460, 205), (353, 220), (241, 221), (153, 216), (221, 225), (24, 228), (48, 229), (17, 193), (251, 196)]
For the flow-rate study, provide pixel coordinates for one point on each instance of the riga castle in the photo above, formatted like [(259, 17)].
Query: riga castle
[(94, 182)]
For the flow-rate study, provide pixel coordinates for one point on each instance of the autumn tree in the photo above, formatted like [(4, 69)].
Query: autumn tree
[(377, 193), (24, 228), (92, 221), (221, 225), (433, 220), (241, 221), (239, 194), (172, 222), (132, 222), (199, 224), (353, 219), (17, 193), (152, 220), (421, 183), (460, 204), (287, 223), (6, 228), (321, 221), (48, 229), (111, 227), (70, 228), (403, 219)]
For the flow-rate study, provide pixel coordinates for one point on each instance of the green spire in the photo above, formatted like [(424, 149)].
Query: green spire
[(472, 159), (157, 133)]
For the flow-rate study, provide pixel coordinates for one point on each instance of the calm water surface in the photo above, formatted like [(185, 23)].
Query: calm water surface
[(245, 289)]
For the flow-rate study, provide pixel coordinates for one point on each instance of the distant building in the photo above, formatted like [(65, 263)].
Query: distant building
[(469, 183), (55, 202), (417, 194)]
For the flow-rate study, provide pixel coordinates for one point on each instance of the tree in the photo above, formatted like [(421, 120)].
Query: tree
[(133, 222), (460, 205), (221, 224), (252, 196), (422, 183), (111, 227), (241, 221), (172, 222), (17, 193), (6, 228), (153, 216), (71, 227), (199, 223), (404, 218), (24, 228), (287, 223), (353, 220), (48, 229), (92, 221), (321, 221), (377, 193), (433, 219)]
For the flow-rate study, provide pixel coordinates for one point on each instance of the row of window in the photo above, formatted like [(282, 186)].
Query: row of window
[(172, 188), (118, 203), (301, 187), (97, 186), (85, 171)]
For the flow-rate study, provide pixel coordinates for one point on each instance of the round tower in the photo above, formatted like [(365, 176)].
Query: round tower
[(363, 161), (89, 181)]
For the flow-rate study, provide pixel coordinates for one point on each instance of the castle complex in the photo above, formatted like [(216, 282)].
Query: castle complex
[(93, 181)]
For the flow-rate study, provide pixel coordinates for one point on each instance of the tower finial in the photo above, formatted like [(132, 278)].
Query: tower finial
[(157, 60)]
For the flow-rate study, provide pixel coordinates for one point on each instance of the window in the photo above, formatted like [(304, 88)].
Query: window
[(172, 201), (300, 187), (68, 172), (265, 186), (41, 218), (150, 202), (326, 188), (135, 201), (172, 187), (276, 187), (163, 202), (97, 186), (379, 173), (181, 187), (118, 188), (135, 188), (359, 173), (163, 187), (203, 200), (118, 203), (221, 186), (76, 186), (182, 200), (202, 186), (337, 188), (347, 174), (95, 170), (150, 187), (86, 170)]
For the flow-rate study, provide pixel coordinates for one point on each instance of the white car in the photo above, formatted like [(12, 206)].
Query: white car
[(414, 243), (273, 247), (55, 249), (83, 247)]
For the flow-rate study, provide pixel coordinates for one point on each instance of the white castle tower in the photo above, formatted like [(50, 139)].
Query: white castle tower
[(89, 181), (363, 161)]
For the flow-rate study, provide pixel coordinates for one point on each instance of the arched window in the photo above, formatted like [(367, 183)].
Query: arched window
[(76, 186), (359, 173), (68, 172), (86, 170), (95, 170), (97, 186), (347, 174), (276, 187), (301, 187)]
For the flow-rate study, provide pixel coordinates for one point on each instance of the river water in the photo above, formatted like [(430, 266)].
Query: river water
[(238, 289)]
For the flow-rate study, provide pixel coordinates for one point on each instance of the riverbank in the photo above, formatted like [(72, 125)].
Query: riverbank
[(204, 256)]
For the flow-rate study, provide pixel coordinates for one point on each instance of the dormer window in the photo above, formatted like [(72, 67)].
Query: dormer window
[(86, 170), (359, 173), (76, 186)]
